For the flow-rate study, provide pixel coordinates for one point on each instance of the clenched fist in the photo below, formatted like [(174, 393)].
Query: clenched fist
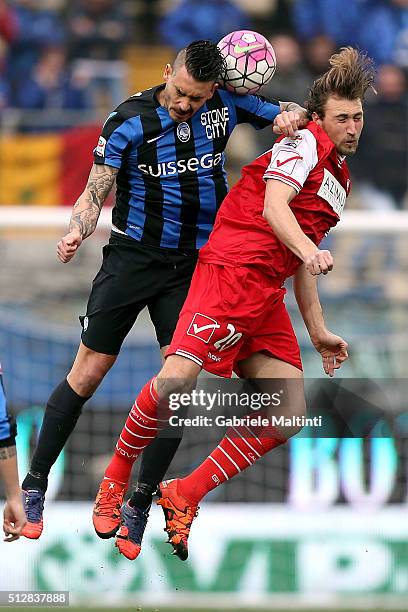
[(321, 262), (287, 123), (68, 246)]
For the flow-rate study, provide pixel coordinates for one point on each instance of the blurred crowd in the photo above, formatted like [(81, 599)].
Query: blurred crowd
[(60, 55), (53, 55)]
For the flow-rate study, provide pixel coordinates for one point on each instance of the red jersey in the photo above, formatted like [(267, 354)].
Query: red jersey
[(312, 166)]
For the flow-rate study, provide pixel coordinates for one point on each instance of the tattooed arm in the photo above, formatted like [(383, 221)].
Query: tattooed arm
[(14, 518), (291, 118), (86, 210)]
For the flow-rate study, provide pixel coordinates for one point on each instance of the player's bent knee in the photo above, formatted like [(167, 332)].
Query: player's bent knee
[(178, 375), (176, 366), (88, 370)]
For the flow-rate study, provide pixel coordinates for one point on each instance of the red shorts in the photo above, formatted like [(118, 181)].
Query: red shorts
[(229, 314)]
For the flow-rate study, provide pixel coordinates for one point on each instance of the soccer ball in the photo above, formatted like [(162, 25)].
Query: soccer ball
[(250, 61)]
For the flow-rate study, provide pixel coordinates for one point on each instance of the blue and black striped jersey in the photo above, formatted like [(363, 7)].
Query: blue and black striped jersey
[(171, 178)]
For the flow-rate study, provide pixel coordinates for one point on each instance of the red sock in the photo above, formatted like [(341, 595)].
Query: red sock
[(240, 448), (140, 429)]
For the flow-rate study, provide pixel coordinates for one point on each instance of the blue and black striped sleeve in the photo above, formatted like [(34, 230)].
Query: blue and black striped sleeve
[(256, 110), (118, 135)]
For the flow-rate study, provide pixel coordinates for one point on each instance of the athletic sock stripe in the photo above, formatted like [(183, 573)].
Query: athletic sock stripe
[(130, 445), (137, 408), (246, 441), (189, 356), (152, 391), (239, 450), (140, 425), (138, 435), (252, 434), (219, 467), (146, 416), (230, 458)]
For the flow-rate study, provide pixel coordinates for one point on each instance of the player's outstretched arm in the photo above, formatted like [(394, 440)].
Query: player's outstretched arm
[(14, 517), (86, 210), (285, 226), (332, 348)]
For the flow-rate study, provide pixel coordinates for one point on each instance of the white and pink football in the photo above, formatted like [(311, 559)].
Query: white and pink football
[(250, 61)]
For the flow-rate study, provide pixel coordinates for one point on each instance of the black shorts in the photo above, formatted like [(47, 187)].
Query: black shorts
[(131, 277)]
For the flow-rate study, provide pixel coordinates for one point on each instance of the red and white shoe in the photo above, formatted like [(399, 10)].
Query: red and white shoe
[(106, 511)]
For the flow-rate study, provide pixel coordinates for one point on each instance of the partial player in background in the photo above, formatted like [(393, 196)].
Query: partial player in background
[(14, 517), (234, 318), (165, 149)]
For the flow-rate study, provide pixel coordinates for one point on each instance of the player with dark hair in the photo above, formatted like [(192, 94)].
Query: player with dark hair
[(14, 517), (165, 148), (234, 318)]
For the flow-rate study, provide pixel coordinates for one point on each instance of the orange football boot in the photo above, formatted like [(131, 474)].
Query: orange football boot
[(179, 515), (106, 511)]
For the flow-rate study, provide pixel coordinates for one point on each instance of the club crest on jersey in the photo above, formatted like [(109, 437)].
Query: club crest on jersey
[(202, 327), (331, 191), (183, 132)]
